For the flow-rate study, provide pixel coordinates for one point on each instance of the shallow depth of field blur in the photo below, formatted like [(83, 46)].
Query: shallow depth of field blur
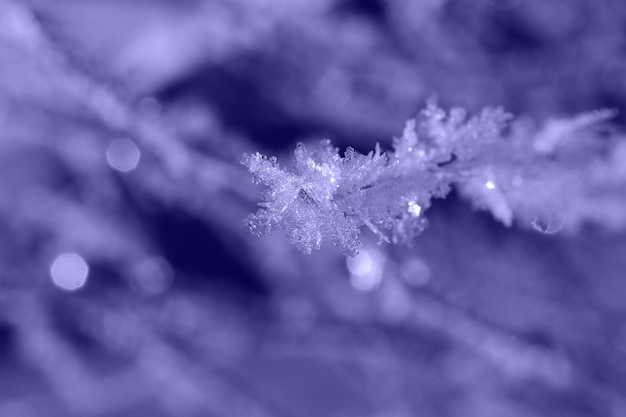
[(130, 285)]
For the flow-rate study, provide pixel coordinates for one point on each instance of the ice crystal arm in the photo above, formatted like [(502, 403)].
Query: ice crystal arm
[(536, 175)]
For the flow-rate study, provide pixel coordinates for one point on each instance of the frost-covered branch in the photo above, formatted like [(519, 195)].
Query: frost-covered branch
[(544, 177)]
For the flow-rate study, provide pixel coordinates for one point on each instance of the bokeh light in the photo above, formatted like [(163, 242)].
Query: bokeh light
[(123, 155), (69, 272), (366, 269), (152, 276)]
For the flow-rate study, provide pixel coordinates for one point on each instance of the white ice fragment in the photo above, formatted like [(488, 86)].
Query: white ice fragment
[(69, 271), (556, 131), (414, 208)]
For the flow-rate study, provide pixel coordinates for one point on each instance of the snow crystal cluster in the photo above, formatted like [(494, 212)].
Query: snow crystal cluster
[(544, 177)]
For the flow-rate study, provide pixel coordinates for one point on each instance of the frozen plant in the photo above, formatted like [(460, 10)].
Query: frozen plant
[(544, 177)]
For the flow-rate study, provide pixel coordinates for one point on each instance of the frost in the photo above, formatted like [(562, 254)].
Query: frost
[(505, 167)]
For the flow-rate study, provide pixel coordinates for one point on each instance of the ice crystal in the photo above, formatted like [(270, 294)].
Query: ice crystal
[(504, 167)]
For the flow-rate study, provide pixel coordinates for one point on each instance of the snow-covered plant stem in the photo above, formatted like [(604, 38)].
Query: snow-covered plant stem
[(544, 177)]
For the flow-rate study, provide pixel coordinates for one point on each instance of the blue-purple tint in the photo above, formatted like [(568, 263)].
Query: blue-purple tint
[(130, 286)]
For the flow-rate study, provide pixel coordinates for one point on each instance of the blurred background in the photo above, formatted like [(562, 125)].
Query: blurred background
[(130, 286)]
